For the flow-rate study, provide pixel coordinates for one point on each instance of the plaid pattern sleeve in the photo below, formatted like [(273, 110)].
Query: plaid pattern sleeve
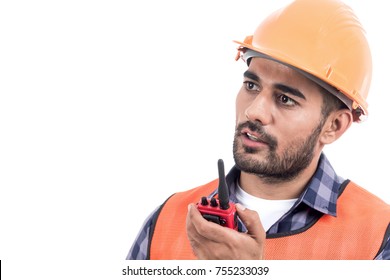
[(385, 253), (139, 249)]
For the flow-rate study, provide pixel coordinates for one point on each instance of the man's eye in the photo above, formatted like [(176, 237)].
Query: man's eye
[(287, 101), (251, 86)]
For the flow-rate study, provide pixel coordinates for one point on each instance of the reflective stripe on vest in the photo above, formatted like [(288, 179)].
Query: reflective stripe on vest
[(356, 233)]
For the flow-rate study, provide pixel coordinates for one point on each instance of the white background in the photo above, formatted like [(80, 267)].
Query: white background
[(108, 107)]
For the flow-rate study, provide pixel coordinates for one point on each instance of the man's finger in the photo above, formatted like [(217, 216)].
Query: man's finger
[(206, 229), (252, 222)]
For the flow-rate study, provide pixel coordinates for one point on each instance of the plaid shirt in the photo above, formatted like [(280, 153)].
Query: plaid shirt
[(319, 197)]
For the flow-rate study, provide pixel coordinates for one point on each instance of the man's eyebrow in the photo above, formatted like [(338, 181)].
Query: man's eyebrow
[(250, 75), (284, 88), (290, 90)]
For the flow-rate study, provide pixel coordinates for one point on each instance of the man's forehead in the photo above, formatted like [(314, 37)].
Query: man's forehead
[(262, 66)]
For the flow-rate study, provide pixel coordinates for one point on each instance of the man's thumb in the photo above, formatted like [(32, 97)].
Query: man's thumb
[(252, 222)]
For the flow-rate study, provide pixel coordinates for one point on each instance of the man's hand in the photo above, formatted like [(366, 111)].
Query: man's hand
[(211, 241)]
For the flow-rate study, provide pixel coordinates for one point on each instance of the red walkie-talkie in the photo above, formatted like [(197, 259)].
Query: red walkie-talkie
[(219, 211)]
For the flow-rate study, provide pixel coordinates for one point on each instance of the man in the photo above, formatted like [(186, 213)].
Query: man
[(308, 76)]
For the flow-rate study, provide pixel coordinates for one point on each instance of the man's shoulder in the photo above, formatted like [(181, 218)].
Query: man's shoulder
[(363, 199)]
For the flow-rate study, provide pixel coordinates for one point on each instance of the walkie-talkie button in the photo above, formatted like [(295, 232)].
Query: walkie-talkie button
[(204, 201), (213, 202), (212, 218)]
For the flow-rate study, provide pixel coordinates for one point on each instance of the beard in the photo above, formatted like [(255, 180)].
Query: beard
[(271, 167)]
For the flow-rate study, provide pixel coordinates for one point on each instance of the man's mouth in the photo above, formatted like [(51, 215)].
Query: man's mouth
[(252, 136)]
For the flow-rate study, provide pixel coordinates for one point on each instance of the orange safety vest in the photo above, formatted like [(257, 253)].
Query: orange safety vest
[(357, 232)]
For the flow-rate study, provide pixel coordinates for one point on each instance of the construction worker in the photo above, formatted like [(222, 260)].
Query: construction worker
[(308, 77)]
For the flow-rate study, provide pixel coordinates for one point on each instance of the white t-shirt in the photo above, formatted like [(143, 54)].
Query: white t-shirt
[(270, 211)]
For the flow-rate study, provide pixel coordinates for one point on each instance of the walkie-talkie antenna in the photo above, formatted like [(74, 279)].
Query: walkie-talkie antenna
[(223, 192)]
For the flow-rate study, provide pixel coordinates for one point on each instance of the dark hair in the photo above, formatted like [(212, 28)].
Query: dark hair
[(330, 103)]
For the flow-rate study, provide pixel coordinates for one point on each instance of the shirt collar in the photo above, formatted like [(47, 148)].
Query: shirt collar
[(320, 193)]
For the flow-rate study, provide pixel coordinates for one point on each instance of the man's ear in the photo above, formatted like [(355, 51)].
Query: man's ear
[(337, 123)]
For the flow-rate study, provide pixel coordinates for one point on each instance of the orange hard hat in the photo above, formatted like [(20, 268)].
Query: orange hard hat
[(323, 40)]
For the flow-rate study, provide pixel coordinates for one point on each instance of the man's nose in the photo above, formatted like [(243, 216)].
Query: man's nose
[(260, 109)]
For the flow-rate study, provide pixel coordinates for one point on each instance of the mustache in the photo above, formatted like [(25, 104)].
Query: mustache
[(260, 131)]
